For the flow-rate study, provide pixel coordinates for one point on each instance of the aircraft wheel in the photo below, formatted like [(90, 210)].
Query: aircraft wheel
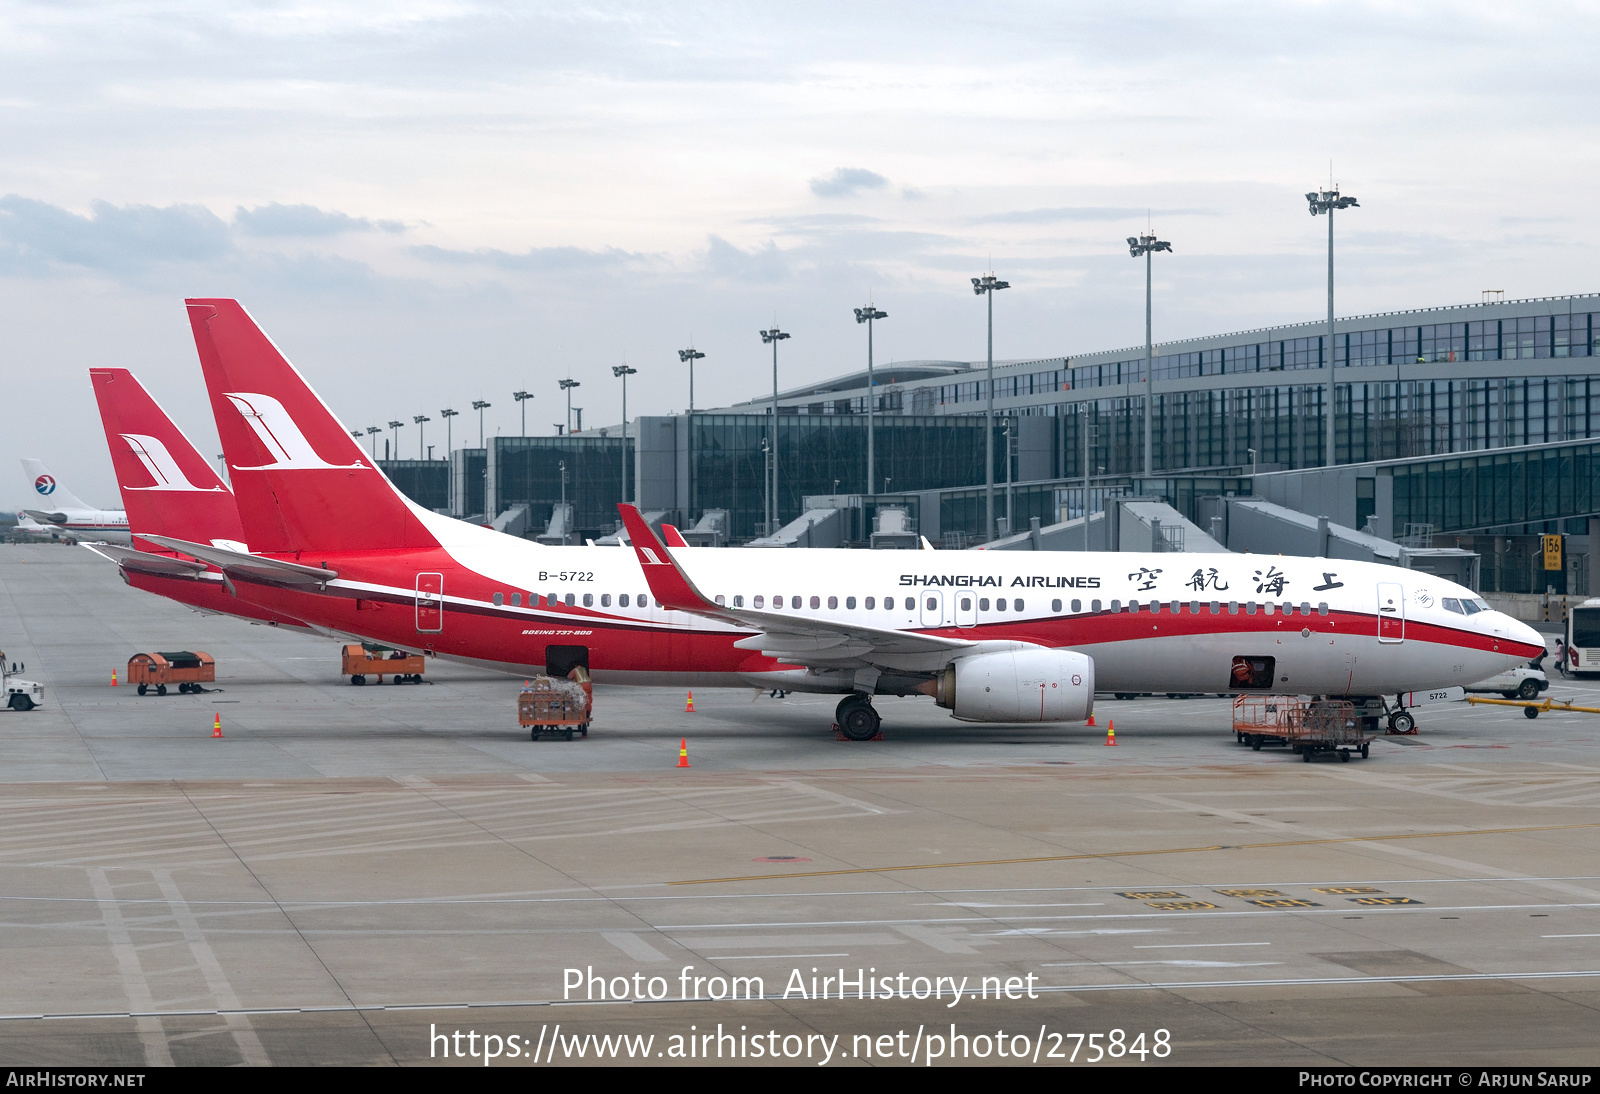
[(860, 722), (846, 703), (143, 688), (21, 702), (1530, 712), (161, 689), (1528, 690), (1401, 723)]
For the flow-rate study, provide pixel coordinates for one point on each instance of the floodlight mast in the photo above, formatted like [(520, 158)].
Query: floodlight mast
[(867, 315), (1324, 202), (772, 338), (1145, 245), (522, 398), (372, 433), (447, 414), (479, 405), (419, 419), (567, 385), (988, 285), (622, 372), (689, 357), (395, 427)]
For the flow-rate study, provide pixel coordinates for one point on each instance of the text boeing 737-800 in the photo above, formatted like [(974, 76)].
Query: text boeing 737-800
[(994, 637)]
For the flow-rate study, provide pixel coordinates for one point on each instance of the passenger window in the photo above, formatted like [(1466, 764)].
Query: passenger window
[(1305, 608), (1094, 606), (1077, 605), (499, 599), (1000, 604), (1268, 607), (571, 599), (605, 600), (1155, 607), (588, 600), (516, 600), (794, 602), (1449, 604), (1322, 608), (738, 602), (1016, 605), (1250, 608), (1194, 607), (1216, 607), (644, 601), (777, 603), (966, 603), (1233, 607), (850, 603), (722, 601), (552, 599), (833, 603), (869, 603), (760, 601), (622, 601), (1116, 605), (933, 602), (983, 604), (816, 602)]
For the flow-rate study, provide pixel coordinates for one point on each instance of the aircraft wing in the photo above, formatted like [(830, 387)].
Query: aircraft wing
[(790, 638), (46, 518), (248, 567), (146, 563)]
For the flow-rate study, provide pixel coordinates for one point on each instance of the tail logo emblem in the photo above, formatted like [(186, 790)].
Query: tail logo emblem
[(45, 485), (162, 467), (279, 435)]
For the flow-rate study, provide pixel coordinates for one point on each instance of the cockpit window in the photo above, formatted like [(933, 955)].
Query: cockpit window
[(1470, 607), (1483, 605), (1450, 604)]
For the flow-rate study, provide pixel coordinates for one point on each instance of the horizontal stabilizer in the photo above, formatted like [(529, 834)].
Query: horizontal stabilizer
[(248, 567), (144, 562), (46, 518)]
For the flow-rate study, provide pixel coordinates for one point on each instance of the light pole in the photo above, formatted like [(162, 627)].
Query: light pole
[(419, 419), (567, 385), (1146, 245), (1326, 201), (622, 372), (447, 414), (689, 357), (395, 427), (566, 515), (773, 337), (522, 398), (988, 285), (867, 315), (372, 432), (479, 405)]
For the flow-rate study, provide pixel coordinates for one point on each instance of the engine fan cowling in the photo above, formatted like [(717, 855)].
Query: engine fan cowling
[(1037, 685)]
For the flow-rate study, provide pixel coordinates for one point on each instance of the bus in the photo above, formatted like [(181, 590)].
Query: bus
[(1583, 638)]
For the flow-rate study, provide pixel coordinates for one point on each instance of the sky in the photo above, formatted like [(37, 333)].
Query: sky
[(438, 202)]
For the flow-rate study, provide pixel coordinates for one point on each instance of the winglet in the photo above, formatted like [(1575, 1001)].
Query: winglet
[(673, 537), (668, 584)]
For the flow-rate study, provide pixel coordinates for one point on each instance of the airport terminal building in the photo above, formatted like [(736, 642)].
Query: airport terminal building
[(1468, 420)]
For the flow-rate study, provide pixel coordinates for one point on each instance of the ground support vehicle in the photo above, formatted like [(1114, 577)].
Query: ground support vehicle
[(554, 707), (1309, 726), (360, 661), (1531, 710), (189, 670), (1522, 682), (19, 694)]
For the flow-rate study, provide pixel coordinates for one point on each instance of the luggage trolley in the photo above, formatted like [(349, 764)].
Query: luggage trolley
[(554, 707), (1309, 726)]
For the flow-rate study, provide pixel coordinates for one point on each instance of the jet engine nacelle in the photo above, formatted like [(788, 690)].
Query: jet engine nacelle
[(1019, 686)]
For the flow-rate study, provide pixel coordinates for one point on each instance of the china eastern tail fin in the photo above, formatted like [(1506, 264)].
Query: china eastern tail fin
[(168, 488), (300, 481), (48, 493)]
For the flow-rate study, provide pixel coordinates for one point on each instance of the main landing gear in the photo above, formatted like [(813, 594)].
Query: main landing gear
[(857, 720)]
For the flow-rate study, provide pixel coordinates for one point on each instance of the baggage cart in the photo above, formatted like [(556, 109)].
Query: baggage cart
[(1311, 727), (361, 660), (554, 707), (187, 669)]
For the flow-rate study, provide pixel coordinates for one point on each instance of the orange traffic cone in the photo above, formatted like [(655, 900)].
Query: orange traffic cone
[(1111, 733), (689, 706), (1091, 718), (216, 726), (113, 677), (683, 752)]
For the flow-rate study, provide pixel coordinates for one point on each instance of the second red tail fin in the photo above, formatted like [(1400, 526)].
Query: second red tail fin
[(301, 482)]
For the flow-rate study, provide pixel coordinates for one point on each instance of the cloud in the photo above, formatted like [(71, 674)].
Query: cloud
[(764, 264), (304, 220), (35, 235), (536, 259), (846, 181), (1083, 213)]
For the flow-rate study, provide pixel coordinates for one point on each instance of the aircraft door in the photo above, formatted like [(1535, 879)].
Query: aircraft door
[(966, 608), (932, 604), (1391, 612), (430, 603)]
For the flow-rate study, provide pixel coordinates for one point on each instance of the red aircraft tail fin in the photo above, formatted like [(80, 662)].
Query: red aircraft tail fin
[(674, 538), (301, 481), (667, 582), (168, 488)]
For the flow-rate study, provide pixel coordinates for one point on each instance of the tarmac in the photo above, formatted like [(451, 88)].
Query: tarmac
[(353, 875)]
